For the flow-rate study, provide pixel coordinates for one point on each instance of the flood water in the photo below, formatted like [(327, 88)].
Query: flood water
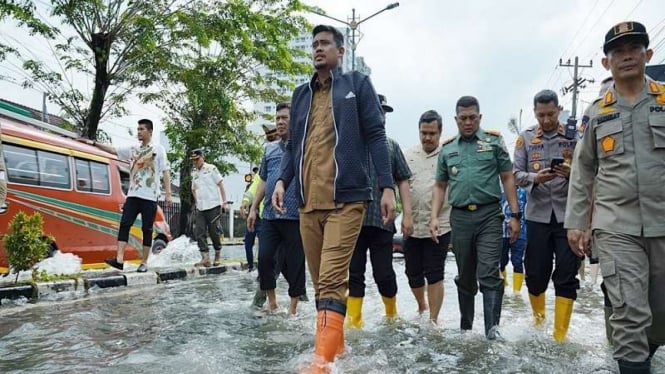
[(209, 326)]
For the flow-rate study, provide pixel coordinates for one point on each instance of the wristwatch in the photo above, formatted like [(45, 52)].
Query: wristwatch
[(517, 215)]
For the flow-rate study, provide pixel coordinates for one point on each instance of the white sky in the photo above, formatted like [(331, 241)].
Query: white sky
[(425, 54)]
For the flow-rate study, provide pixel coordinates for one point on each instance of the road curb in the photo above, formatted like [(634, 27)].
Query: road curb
[(105, 282), (60, 289), (16, 292), (90, 281)]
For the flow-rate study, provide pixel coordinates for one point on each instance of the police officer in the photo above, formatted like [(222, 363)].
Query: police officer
[(623, 150), (472, 163), (536, 150)]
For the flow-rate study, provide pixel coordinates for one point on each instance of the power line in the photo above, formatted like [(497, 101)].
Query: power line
[(600, 17)]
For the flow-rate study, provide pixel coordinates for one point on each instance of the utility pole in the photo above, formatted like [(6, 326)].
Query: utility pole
[(577, 81), (353, 24)]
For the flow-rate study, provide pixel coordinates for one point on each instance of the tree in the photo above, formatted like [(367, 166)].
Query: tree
[(111, 43), (513, 126), (25, 242), (227, 52), (23, 12)]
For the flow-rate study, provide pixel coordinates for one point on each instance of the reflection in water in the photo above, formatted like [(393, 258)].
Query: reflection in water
[(207, 326)]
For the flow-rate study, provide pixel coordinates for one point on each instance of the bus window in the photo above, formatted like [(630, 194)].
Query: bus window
[(21, 165), (83, 182), (53, 170), (100, 177), (92, 176)]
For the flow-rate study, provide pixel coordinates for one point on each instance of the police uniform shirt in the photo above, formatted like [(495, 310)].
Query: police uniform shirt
[(534, 151), (623, 149), (471, 166)]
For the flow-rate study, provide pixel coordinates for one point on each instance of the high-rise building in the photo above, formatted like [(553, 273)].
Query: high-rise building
[(303, 43)]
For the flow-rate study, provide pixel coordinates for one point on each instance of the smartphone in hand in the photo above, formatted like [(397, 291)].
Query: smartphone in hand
[(556, 162)]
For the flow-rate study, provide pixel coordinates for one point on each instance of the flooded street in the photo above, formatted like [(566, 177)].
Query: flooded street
[(208, 326)]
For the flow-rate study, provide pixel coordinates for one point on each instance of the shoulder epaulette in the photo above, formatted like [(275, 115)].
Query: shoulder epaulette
[(449, 140), (493, 132), (531, 128)]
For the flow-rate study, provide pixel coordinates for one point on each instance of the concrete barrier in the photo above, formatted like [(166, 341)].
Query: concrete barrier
[(105, 282), (16, 292), (141, 279), (75, 288), (60, 289)]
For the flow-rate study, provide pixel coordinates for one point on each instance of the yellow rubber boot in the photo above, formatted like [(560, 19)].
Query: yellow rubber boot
[(538, 307), (563, 309), (391, 306), (505, 279), (354, 312), (518, 278)]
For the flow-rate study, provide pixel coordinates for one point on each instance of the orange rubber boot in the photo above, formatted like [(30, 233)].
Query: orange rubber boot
[(329, 340)]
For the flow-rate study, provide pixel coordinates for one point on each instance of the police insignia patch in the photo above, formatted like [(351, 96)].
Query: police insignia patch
[(519, 143), (607, 143), (536, 141), (536, 166), (567, 154)]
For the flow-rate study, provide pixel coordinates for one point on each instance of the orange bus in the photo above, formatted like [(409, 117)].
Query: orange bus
[(78, 189)]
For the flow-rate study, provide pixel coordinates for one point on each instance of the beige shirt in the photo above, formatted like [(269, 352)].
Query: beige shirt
[(623, 151), (319, 161), (423, 167)]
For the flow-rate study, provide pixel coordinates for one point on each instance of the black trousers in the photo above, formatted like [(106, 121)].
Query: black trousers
[(130, 210), (283, 235), (424, 259), (545, 243), (380, 245)]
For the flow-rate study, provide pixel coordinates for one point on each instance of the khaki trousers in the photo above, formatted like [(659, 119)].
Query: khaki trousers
[(329, 238), (633, 271)]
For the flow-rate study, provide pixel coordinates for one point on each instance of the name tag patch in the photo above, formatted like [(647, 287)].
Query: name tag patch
[(608, 117)]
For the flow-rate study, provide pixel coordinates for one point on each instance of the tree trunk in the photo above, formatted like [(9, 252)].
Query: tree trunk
[(186, 200), (101, 48)]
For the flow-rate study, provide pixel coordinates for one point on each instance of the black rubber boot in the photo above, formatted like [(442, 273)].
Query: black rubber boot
[(466, 309), (627, 367), (492, 313)]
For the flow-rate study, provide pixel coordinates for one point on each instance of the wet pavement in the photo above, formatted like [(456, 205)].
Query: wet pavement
[(208, 326)]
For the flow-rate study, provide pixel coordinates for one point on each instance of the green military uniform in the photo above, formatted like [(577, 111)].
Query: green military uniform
[(623, 152), (471, 167)]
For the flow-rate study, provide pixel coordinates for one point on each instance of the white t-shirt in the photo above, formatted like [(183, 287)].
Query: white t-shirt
[(146, 166), (205, 182)]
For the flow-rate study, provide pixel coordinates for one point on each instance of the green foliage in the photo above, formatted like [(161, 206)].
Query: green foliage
[(23, 12), (228, 52), (25, 242), (109, 43), (44, 276)]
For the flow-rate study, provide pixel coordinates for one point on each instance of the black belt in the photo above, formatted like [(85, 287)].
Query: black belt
[(474, 207)]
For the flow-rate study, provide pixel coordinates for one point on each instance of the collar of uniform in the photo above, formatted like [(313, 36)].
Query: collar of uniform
[(479, 134), (333, 73), (318, 85), (561, 130), (431, 154), (145, 146)]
